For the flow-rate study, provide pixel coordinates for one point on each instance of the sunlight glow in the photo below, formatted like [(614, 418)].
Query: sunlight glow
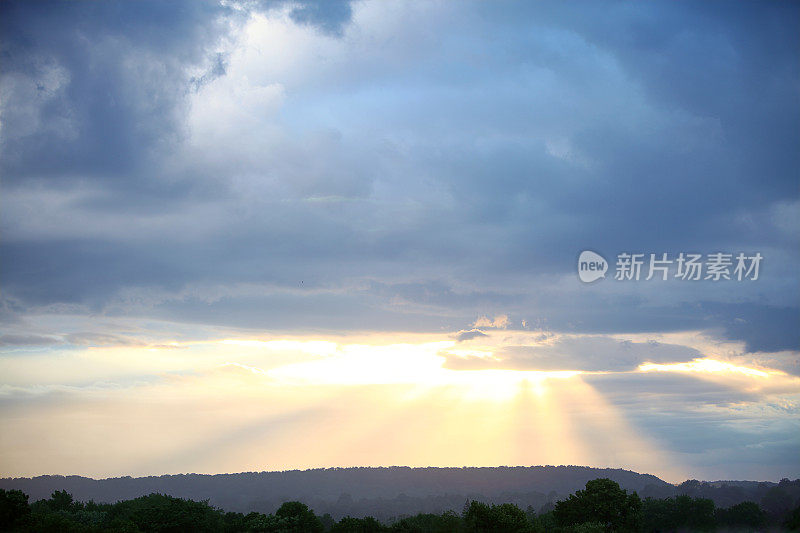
[(414, 364), (310, 347), (708, 366), (371, 395)]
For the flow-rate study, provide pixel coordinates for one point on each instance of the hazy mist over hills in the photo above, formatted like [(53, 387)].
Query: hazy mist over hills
[(381, 492)]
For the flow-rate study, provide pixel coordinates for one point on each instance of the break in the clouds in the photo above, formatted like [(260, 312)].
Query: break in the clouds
[(188, 172)]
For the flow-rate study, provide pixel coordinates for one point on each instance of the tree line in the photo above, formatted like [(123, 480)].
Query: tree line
[(602, 506)]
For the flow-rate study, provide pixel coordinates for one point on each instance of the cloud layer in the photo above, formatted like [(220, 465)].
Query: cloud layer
[(397, 175)]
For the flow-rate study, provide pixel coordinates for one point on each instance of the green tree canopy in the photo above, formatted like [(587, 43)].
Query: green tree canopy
[(505, 517), (14, 509), (603, 502), (159, 512), (297, 517), (349, 524), (744, 514)]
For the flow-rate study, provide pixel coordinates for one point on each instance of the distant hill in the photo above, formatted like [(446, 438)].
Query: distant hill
[(381, 492)]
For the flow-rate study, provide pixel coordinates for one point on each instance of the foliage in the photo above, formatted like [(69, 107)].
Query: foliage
[(505, 517), (744, 514), (428, 523), (162, 513), (296, 517), (14, 509), (679, 513), (603, 502), (792, 522), (349, 524)]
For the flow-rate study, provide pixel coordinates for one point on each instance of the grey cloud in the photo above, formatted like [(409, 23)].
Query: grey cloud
[(109, 97), (12, 339), (78, 339), (101, 339), (763, 328), (467, 335), (216, 70), (120, 84), (709, 423), (330, 16), (788, 361), (589, 353), (676, 392)]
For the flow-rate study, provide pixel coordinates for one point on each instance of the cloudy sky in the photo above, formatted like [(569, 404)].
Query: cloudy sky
[(255, 235)]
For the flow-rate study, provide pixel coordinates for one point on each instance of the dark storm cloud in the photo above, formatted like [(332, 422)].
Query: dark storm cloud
[(435, 176), (734, 64), (96, 90), (763, 328), (107, 73)]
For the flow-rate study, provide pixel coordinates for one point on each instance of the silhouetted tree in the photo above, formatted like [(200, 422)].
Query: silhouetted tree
[(792, 522), (603, 502), (233, 522), (428, 523), (680, 513), (297, 517), (327, 521), (505, 517), (544, 522), (742, 515), (162, 513), (349, 524), (14, 509), (777, 502), (61, 500)]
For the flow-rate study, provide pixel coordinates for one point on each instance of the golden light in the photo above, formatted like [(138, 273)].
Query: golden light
[(707, 366), (372, 400)]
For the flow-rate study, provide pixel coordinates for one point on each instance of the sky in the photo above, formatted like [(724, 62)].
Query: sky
[(265, 235)]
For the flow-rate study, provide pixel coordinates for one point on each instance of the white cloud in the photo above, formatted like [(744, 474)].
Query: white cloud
[(499, 321)]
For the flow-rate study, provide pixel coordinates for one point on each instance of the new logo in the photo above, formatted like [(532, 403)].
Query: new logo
[(591, 266)]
